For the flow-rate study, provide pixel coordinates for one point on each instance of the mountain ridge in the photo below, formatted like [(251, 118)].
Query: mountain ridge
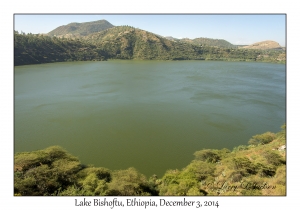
[(79, 41), (75, 29), (210, 42)]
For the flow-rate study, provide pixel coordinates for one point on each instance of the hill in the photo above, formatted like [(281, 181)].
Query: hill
[(264, 45), (126, 42), (36, 49), (79, 41), (80, 29), (209, 42), (221, 43)]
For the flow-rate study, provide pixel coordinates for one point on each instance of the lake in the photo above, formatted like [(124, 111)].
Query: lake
[(151, 115)]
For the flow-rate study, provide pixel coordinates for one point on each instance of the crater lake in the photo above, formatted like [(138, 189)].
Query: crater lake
[(150, 115)]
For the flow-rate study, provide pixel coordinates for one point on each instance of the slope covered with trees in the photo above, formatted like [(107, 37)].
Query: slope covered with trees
[(221, 43), (256, 169), (125, 42), (35, 49)]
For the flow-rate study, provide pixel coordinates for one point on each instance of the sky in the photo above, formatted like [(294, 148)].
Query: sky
[(238, 29)]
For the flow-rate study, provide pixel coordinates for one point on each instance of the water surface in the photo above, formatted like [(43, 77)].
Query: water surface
[(152, 115)]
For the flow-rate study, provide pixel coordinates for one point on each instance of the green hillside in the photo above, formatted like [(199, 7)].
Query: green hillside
[(36, 49), (221, 43), (126, 42)]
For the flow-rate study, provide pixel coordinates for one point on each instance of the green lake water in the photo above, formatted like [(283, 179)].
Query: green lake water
[(151, 115)]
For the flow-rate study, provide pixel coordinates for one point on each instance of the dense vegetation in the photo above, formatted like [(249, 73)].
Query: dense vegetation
[(125, 42), (256, 169), (35, 49), (221, 43)]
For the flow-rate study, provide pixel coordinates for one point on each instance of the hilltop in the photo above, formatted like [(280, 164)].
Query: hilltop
[(209, 42), (264, 45), (80, 29)]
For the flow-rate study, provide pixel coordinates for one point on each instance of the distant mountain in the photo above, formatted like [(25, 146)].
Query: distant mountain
[(80, 29), (209, 42), (100, 40), (264, 45)]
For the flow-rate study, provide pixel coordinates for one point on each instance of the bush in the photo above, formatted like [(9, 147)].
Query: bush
[(199, 170), (207, 155), (56, 153), (266, 171), (45, 172), (273, 158), (93, 186), (26, 160), (74, 191), (100, 172), (240, 148), (128, 182), (244, 166), (179, 183), (264, 138)]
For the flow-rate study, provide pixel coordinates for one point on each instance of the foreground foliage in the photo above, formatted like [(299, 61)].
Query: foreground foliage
[(256, 169)]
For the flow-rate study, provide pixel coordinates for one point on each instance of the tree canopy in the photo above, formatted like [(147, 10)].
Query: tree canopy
[(126, 42)]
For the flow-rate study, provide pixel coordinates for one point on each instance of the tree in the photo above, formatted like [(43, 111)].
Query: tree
[(264, 138)]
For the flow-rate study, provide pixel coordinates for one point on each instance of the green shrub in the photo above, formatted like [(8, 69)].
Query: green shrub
[(92, 185), (100, 172), (266, 171), (240, 148), (26, 160), (199, 169), (274, 158), (264, 138), (57, 152), (25, 186), (207, 155), (244, 166), (128, 182), (49, 171)]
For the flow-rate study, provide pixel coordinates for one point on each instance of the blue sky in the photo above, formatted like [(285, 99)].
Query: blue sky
[(237, 29)]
